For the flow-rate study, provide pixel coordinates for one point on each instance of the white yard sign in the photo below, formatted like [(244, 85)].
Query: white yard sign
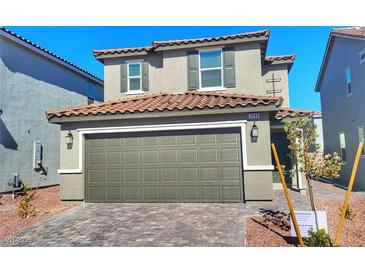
[(306, 221)]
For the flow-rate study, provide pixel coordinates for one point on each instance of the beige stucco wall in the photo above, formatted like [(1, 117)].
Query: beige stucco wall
[(280, 72), (168, 71), (256, 187)]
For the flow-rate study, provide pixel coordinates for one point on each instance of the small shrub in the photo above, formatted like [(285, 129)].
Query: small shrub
[(25, 207), (318, 238)]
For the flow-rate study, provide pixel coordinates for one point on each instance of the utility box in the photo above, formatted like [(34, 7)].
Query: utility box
[(38, 155)]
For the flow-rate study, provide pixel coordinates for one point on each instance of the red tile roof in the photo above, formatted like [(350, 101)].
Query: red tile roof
[(265, 33), (352, 32), (288, 57), (286, 112), (121, 50), (49, 53), (168, 102), (157, 44)]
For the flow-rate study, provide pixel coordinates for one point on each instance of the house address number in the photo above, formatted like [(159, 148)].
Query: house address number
[(254, 116)]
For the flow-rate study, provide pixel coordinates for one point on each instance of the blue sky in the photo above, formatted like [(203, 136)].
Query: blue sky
[(77, 43)]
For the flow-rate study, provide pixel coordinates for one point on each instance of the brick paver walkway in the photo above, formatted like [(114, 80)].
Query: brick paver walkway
[(155, 224)]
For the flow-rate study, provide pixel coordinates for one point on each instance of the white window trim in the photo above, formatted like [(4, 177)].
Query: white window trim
[(217, 88), (347, 91), (168, 127), (138, 91), (360, 53)]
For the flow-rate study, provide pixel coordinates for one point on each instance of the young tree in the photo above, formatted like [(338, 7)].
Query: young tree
[(301, 133)]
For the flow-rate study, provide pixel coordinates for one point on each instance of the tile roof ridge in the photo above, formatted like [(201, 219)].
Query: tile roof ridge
[(267, 31)]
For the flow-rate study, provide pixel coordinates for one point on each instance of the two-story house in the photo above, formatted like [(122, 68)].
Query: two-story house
[(184, 121), (341, 83), (33, 80)]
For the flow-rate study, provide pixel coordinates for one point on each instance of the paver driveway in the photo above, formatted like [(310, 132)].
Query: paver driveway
[(148, 224)]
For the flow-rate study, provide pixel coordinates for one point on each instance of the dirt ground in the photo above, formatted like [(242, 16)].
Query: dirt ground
[(47, 204), (273, 229)]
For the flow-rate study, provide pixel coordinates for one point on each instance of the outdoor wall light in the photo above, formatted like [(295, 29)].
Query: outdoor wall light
[(69, 140), (254, 133)]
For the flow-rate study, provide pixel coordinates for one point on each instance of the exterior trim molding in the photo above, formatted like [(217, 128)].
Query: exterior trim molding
[(167, 127)]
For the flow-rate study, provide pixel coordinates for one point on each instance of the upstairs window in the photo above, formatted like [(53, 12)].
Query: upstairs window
[(134, 76), (210, 68), (90, 93), (348, 81), (362, 56), (343, 146)]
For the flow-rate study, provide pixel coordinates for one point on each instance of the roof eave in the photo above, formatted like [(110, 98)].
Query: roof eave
[(167, 113), (211, 43)]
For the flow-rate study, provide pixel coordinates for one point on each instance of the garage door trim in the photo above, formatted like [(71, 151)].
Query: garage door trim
[(167, 127)]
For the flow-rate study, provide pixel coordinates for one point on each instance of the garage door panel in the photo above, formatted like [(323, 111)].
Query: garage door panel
[(132, 194), (132, 175), (189, 193), (182, 166), (169, 156), (114, 158), (169, 175), (96, 194), (132, 157), (113, 143), (114, 194), (189, 174), (169, 140), (97, 176), (96, 158), (151, 141), (230, 138), (187, 140), (230, 173), (209, 174), (231, 193), (114, 175), (207, 139), (209, 193), (151, 175), (230, 154), (151, 157), (170, 193), (151, 194), (132, 142), (95, 144), (189, 156), (207, 155)]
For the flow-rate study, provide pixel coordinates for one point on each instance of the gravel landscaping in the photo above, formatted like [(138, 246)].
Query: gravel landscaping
[(272, 228), (47, 203)]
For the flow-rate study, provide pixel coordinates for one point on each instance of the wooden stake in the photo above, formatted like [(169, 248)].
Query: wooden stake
[(288, 199), (348, 193)]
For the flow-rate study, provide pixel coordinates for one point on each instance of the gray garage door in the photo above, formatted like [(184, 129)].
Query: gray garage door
[(180, 166)]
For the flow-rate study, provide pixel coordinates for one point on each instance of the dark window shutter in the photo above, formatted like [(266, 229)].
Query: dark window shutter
[(145, 76), (123, 77), (193, 70), (228, 67)]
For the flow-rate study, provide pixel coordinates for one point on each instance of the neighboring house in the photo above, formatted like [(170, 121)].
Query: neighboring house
[(184, 121), (341, 83), (317, 120), (33, 80)]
